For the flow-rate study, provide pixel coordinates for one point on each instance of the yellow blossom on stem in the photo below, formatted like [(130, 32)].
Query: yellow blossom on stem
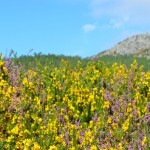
[(36, 146), (125, 126), (109, 120), (144, 141), (15, 130), (53, 148), (106, 104)]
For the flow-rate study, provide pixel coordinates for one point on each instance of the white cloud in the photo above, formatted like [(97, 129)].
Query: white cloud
[(89, 27), (134, 12), (116, 24)]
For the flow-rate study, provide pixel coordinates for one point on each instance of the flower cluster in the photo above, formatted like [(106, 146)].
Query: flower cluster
[(63, 108)]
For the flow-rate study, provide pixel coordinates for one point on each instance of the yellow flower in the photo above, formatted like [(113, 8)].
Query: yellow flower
[(72, 148), (93, 147), (129, 109), (14, 119), (18, 145), (26, 131), (25, 81), (58, 139), (109, 120), (27, 142), (91, 139), (125, 126), (15, 130), (110, 148), (111, 132), (10, 138), (120, 146), (91, 123), (36, 146), (53, 148), (1, 63), (144, 141), (39, 120), (106, 104)]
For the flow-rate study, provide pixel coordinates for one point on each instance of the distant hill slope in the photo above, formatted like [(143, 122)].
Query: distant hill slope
[(137, 45)]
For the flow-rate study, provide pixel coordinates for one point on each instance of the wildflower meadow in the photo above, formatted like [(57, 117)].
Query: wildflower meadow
[(65, 108)]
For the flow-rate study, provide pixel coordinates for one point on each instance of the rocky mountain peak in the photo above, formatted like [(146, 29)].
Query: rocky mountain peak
[(138, 45)]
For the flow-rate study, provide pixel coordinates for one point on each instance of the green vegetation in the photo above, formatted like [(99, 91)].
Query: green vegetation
[(51, 59), (127, 60), (70, 107), (48, 60)]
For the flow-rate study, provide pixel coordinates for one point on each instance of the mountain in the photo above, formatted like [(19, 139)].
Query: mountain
[(137, 45)]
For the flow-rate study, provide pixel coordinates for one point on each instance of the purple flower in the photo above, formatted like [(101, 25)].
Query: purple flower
[(130, 148), (129, 87), (147, 118), (77, 124), (81, 133), (139, 146), (148, 106), (95, 117), (67, 138), (107, 96), (13, 72)]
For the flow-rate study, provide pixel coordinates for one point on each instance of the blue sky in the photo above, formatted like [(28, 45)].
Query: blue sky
[(69, 27)]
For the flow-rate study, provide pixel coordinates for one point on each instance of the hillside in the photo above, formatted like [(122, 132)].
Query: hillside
[(137, 45), (28, 62)]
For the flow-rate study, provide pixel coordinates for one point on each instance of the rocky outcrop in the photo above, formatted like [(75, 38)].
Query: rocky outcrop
[(138, 45)]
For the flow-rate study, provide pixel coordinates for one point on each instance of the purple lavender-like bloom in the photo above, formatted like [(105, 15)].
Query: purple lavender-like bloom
[(95, 117), (139, 145), (130, 148), (8, 63), (148, 106), (77, 124), (107, 96), (129, 87), (61, 120), (147, 118), (13, 71), (81, 133), (67, 138)]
